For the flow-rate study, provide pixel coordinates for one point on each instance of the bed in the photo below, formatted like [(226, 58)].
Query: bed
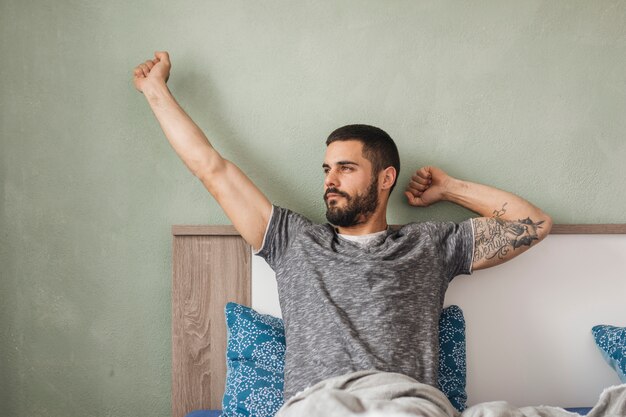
[(212, 265)]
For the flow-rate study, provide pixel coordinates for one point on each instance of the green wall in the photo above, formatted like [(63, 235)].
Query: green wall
[(525, 96)]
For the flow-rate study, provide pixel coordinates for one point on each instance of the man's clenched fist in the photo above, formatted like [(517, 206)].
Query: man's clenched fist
[(427, 186), (153, 70)]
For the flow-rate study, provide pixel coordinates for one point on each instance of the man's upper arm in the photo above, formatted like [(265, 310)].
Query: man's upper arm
[(497, 240), (244, 204)]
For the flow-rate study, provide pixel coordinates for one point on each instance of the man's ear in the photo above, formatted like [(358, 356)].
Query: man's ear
[(387, 178)]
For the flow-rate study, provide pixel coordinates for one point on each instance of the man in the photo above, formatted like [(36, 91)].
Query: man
[(355, 293)]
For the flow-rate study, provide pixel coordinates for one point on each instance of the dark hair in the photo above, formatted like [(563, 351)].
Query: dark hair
[(378, 147)]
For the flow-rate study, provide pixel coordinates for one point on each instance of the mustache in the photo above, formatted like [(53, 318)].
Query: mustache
[(335, 191)]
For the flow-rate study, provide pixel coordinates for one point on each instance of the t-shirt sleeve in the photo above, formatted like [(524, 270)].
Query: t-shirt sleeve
[(456, 245), (282, 229)]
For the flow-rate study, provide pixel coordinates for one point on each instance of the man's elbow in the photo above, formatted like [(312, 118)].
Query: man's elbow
[(211, 172), (545, 227)]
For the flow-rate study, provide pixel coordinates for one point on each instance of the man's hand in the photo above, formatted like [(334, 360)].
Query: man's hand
[(156, 70), (427, 186)]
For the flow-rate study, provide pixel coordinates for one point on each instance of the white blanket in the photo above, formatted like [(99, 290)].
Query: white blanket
[(378, 394)]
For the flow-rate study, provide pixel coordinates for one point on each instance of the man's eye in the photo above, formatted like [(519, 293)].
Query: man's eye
[(346, 168)]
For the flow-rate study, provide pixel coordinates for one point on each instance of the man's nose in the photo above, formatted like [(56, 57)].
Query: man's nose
[(331, 179)]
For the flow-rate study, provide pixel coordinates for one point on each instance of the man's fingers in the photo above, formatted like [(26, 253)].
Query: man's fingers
[(413, 200), (163, 56), (422, 175), (420, 179), (144, 69), (418, 187), (425, 172)]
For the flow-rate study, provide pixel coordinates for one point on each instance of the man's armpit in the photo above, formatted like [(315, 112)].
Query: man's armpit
[(496, 239)]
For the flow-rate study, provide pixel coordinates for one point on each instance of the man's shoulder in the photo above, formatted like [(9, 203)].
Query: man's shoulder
[(430, 228), (428, 224), (284, 229), (280, 212), (417, 226), (298, 220)]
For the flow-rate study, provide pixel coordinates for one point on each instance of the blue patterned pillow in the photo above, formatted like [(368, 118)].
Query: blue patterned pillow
[(452, 363), (255, 362), (255, 357), (612, 343)]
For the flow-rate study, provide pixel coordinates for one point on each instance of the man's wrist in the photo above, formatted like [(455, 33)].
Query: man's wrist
[(453, 189), (156, 91)]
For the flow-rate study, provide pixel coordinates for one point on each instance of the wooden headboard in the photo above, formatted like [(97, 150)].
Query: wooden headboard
[(211, 266)]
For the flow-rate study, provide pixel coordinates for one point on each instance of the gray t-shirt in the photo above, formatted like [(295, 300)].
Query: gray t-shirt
[(349, 307)]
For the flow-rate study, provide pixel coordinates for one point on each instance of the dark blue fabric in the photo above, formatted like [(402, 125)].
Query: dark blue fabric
[(452, 356), (205, 413), (611, 341), (581, 410), (255, 361)]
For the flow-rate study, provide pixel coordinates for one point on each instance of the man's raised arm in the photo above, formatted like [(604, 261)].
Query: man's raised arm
[(509, 226), (245, 205)]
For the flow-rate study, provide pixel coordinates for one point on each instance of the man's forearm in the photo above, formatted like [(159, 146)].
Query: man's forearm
[(189, 142), (491, 202), (509, 224)]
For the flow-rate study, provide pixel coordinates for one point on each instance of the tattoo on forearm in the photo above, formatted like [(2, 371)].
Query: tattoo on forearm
[(495, 237)]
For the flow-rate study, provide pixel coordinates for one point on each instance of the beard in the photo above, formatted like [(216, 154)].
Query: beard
[(361, 204)]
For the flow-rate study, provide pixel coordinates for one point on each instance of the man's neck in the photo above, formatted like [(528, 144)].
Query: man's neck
[(376, 223)]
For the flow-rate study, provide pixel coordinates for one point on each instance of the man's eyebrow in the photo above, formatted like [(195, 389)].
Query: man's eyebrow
[(325, 165)]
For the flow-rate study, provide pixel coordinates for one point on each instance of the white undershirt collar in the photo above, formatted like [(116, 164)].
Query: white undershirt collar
[(363, 239)]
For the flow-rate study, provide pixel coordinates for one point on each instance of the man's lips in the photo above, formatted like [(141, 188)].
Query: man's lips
[(334, 193)]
